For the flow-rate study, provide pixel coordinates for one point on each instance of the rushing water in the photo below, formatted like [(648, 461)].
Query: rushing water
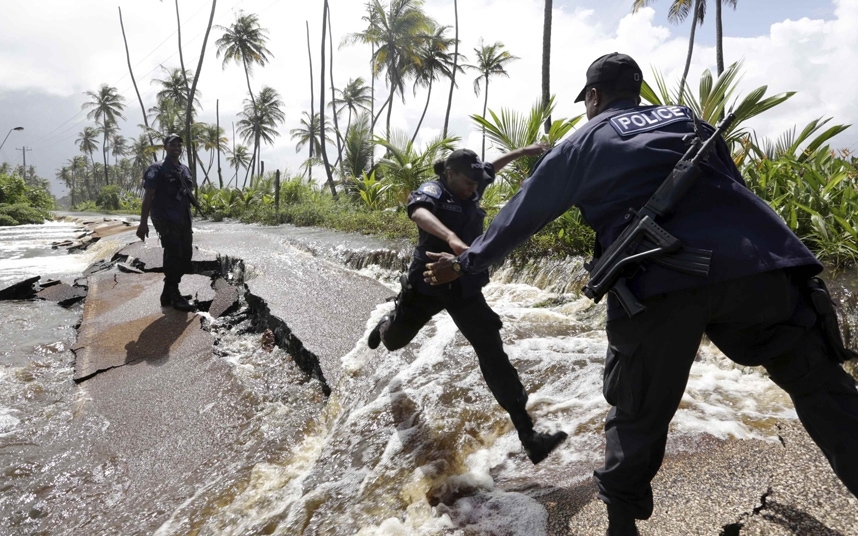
[(410, 442)]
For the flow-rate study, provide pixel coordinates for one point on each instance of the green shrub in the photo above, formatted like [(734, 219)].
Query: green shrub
[(23, 214), (108, 198), (7, 221)]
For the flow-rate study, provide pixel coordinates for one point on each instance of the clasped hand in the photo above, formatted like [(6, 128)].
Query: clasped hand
[(441, 271)]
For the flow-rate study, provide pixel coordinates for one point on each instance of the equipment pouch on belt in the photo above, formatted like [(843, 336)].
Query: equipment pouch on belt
[(822, 304), (406, 295)]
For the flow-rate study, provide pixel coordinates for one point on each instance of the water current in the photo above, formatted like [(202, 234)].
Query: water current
[(409, 442)]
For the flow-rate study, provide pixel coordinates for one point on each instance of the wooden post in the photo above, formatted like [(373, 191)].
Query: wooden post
[(277, 192)]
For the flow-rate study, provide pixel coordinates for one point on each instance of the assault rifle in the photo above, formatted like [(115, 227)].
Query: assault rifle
[(186, 190), (643, 239)]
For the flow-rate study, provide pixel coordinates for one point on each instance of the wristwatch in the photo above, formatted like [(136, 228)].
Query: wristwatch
[(457, 266)]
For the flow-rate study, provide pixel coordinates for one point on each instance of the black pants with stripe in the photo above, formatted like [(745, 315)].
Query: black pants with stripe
[(177, 241), (481, 326), (759, 320)]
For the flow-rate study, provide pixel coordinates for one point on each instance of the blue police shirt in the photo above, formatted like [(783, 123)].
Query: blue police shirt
[(616, 162), (464, 217), (166, 179)]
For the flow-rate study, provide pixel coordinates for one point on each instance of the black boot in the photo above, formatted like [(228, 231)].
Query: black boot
[(179, 302), (620, 524), (165, 296), (375, 335), (538, 446)]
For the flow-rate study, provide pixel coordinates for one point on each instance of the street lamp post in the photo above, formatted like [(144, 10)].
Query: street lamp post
[(7, 135)]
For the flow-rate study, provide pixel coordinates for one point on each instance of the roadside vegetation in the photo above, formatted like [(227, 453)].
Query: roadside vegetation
[(23, 200), (359, 171)]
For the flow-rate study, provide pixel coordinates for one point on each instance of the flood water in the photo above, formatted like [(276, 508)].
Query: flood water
[(409, 442)]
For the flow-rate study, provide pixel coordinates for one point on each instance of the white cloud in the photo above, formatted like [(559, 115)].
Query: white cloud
[(64, 48)]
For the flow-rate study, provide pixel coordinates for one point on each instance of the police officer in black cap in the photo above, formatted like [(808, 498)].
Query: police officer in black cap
[(448, 214), (167, 197), (754, 304)]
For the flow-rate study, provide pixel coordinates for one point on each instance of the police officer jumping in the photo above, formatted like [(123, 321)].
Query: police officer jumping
[(448, 216), (167, 197), (756, 300)]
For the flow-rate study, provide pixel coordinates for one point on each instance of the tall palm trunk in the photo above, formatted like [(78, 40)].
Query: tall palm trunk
[(252, 101), (312, 110), (188, 119), (322, 145), (194, 88), (429, 96), (719, 39), (546, 61), (134, 81), (333, 104), (485, 107), (690, 51), (389, 110), (455, 66), (104, 151), (217, 144)]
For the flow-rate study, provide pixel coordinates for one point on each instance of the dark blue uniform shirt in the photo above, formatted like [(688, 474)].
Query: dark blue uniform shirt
[(462, 216), (616, 162), (169, 202)]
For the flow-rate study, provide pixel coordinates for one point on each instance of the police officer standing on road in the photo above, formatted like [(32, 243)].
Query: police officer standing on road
[(167, 196), (754, 304), (448, 215)]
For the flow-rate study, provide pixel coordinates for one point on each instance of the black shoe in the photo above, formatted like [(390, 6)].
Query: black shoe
[(165, 299), (179, 302), (538, 446), (374, 338)]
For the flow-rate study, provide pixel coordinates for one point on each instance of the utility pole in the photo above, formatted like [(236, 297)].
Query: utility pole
[(24, 152)]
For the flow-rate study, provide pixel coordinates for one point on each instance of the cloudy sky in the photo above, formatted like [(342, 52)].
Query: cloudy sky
[(52, 51)]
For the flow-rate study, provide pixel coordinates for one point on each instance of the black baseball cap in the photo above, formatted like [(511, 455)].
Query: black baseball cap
[(171, 137), (613, 72), (466, 161)]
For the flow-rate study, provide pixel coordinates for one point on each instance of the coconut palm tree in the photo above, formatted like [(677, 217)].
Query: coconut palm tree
[(455, 68), (239, 158), (168, 116), (309, 134), (719, 33), (676, 14), (353, 97), (87, 142), (435, 62), (395, 32), (105, 107), (244, 42), (358, 147), (546, 59), (260, 120), (212, 139), (491, 61), (172, 87)]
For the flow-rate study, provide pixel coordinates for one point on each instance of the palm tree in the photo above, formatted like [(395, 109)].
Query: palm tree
[(244, 42), (358, 147), (352, 97), (168, 116), (435, 62), (678, 12), (172, 87), (309, 134), (105, 107), (719, 34), (118, 146), (491, 61), (546, 59), (212, 139), (240, 157), (396, 34), (87, 142), (260, 120), (455, 68), (134, 80)]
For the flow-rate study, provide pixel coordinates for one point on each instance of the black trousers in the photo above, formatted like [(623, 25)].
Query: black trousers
[(759, 320), (481, 326), (177, 241)]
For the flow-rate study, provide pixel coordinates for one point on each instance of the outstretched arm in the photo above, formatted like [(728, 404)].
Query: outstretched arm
[(531, 150)]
